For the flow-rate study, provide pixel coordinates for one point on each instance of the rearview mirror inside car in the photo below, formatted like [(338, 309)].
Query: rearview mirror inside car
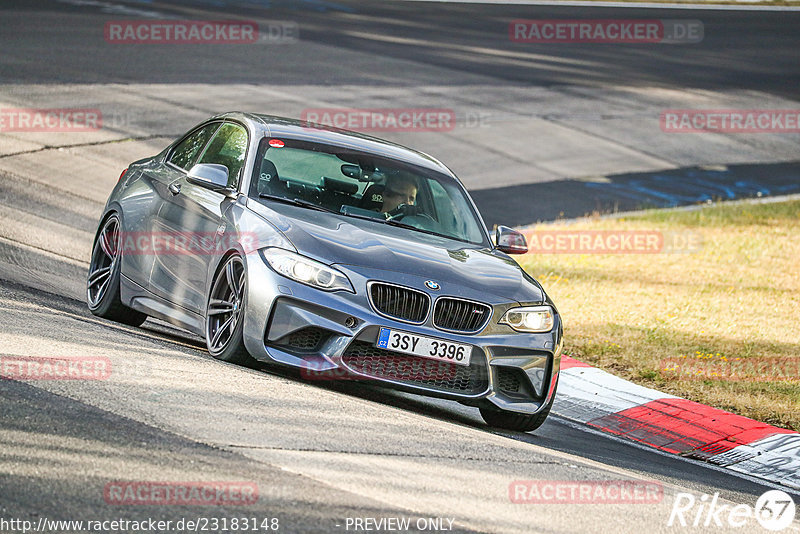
[(352, 171), (510, 241)]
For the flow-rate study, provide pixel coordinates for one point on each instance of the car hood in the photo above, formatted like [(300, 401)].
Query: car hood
[(367, 246)]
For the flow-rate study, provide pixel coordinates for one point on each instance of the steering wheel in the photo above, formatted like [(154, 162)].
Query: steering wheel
[(406, 210)]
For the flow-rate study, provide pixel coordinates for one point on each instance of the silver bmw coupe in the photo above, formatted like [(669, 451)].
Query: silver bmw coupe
[(340, 254)]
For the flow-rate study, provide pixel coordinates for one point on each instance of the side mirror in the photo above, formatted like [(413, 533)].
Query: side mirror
[(510, 241), (210, 175)]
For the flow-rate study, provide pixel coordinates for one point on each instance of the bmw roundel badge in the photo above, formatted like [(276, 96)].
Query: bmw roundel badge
[(433, 286)]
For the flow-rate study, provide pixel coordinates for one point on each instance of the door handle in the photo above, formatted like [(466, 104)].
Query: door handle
[(174, 188)]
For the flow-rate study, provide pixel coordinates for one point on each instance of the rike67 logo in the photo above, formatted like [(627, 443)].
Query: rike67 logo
[(774, 511)]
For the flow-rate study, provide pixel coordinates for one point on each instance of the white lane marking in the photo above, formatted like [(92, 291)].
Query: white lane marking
[(775, 458), (586, 393), (704, 465)]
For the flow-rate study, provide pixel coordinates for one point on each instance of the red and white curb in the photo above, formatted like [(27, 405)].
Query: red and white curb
[(610, 404)]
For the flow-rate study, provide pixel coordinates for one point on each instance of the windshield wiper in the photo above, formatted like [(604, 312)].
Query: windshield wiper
[(392, 222), (296, 202), (380, 218)]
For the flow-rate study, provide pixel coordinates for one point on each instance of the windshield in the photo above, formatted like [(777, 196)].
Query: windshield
[(364, 186)]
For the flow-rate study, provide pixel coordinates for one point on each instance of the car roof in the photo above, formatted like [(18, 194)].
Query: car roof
[(274, 126)]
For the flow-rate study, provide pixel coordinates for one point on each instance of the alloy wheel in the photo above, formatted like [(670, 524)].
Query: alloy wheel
[(104, 260), (225, 305)]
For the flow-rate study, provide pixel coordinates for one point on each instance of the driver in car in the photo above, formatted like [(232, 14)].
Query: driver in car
[(401, 190)]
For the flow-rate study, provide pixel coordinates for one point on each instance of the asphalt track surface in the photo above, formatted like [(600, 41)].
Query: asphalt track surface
[(536, 123), (738, 49), (319, 452)]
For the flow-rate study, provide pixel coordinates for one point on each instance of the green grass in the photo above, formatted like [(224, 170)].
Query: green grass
[(735, 299), (738, 214)]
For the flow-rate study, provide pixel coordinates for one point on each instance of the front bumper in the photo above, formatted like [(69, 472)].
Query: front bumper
[(333, 336)]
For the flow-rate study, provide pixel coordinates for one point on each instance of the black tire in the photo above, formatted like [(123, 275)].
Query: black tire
[(228, 292), (102, 282), (506, 420)]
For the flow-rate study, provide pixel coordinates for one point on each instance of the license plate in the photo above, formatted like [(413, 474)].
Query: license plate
[(424, 347)]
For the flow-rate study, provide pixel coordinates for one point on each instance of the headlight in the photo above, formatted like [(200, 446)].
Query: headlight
[(305, 270), (529, 319)]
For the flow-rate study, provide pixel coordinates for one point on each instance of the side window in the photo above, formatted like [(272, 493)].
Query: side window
[(228, 148), (187, 150)]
